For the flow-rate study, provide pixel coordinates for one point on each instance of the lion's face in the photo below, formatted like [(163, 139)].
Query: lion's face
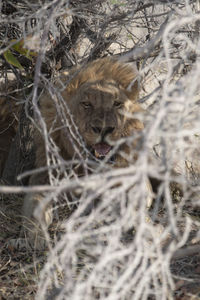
[(102, 98), (104, 114)]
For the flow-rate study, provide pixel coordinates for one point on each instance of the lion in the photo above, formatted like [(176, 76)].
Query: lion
[(101, 102)]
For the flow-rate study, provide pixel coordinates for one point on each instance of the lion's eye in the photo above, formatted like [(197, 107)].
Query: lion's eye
[(86, 104), (118, 104)]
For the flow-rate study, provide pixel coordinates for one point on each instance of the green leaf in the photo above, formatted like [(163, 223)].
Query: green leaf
[(11, 59), (19, 47)]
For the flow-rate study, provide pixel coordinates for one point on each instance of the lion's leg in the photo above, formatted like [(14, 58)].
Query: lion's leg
[(36, 219), (37, 216)]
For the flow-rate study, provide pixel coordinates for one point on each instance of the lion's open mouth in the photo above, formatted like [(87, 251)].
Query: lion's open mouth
[(101, 150)]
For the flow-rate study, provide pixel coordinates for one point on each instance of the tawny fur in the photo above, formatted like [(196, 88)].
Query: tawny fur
[(100, 80), (100, 95)]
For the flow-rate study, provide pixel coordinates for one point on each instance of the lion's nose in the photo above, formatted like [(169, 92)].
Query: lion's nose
[(107, 130), (103, 131)]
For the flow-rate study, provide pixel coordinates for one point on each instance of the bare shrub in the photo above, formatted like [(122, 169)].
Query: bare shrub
[(119, 249)]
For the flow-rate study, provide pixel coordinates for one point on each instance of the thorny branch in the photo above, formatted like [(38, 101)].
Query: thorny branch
[(120, 248)]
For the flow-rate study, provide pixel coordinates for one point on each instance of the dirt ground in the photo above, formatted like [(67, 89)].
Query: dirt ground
[(19, 270)]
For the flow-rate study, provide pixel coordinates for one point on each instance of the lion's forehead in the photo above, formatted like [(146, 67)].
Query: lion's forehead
[(102, 94)]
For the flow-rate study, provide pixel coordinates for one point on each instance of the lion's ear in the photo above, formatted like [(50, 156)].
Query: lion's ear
[(132, 89), (129, 78)]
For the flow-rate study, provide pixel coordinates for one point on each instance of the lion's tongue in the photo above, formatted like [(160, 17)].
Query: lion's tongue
[(101, 149)]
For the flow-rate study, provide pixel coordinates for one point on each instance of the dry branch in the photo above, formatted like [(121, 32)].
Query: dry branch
[(138, 53), (115, 252), (187, 251)]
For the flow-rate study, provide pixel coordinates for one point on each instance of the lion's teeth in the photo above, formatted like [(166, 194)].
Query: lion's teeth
[(97, 155)]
